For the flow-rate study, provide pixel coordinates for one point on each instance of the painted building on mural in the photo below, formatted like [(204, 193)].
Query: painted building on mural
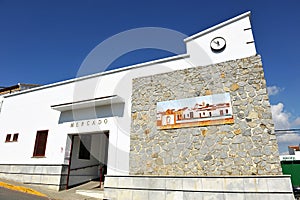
[(67, 133), (188, 113)]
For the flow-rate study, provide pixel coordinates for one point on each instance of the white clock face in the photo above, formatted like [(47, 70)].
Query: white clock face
[(218, 44)]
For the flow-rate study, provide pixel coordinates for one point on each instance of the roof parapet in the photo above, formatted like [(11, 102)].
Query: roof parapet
[(218, 26)]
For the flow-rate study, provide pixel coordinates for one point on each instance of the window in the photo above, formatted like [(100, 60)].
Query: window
[(221, 112), (168, 119), (191, 115), (8, 136), (15, 137), (40, 143), (84, 147)]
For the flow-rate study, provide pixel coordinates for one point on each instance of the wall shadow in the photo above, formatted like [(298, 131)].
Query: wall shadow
[(114, 110)]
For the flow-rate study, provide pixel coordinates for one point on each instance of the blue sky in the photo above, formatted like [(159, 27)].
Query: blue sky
[(191, 102), (45, 41)]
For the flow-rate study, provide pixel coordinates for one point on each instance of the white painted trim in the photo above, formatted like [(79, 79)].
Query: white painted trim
[(217, 26), (163, 60), (88, 103)]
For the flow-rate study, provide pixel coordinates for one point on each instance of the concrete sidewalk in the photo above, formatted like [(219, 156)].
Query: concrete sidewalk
[(88, 191)]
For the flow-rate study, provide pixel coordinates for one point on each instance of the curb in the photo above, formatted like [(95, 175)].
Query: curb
[(22, 189)]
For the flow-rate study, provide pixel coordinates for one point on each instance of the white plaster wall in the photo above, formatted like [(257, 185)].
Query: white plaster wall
[(1, 102), (233, 31), (291, 157), (27, 112)]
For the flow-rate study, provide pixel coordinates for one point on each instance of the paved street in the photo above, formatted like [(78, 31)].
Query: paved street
[(6, 194)]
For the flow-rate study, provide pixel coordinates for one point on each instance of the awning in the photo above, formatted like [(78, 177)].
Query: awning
[(89, 103)]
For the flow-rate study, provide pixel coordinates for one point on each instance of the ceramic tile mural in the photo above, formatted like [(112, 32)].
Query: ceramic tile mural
[(197, 111)]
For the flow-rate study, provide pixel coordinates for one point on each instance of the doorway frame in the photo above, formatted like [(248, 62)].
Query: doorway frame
[(72, 135)]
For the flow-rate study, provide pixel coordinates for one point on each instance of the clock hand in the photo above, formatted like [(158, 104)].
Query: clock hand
[(217, 43)]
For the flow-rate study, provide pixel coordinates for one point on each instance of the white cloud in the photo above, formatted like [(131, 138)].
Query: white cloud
[(286, 140), (289, 138), (280, 117), (296, 122), (273, 90), (284, 153), (282, 120)]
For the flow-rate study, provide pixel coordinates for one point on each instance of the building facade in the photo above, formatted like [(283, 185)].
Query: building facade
[(69, 132)]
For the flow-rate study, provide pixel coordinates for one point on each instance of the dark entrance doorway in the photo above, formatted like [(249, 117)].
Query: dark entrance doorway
[(88, 158)]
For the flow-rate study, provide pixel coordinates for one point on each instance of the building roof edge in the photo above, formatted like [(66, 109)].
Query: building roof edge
[(218, 26), (139, 65)]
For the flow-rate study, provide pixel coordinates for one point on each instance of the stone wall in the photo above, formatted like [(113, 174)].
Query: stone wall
[(247, 147)]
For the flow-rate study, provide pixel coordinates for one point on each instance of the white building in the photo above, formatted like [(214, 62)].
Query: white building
[(294, 154), (62, 134)]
